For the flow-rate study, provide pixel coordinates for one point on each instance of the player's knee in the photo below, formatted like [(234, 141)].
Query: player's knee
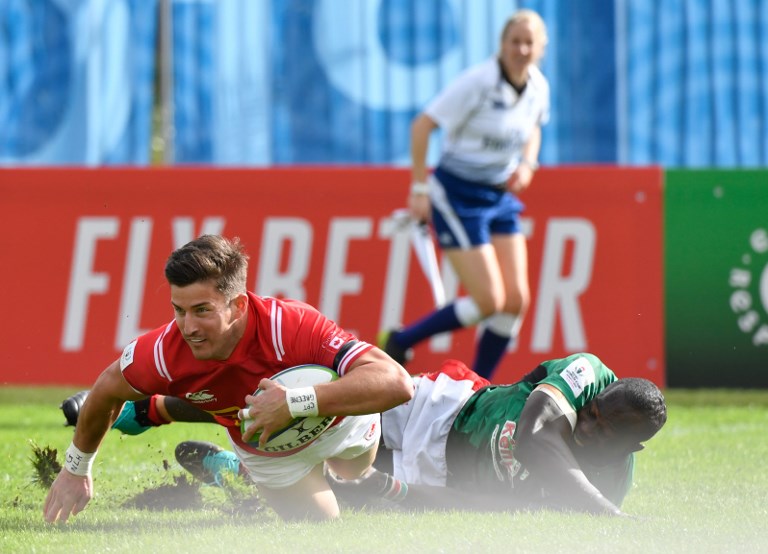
[(504, 324), (479, 307), (467, 311), (516, 303), (353, 468)]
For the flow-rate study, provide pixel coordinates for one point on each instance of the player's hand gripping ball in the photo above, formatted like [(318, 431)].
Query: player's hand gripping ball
[(300, 432)]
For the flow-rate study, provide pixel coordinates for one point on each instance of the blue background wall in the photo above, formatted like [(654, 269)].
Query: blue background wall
[(681, 83), (76, 81)]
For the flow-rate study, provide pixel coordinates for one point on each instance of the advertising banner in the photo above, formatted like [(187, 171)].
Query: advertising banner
[(83, 251), (716, 236)]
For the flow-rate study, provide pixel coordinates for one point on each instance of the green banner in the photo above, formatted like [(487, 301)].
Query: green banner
[(716, 286)]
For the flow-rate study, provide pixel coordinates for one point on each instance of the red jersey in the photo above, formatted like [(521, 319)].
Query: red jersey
[(279, 334)]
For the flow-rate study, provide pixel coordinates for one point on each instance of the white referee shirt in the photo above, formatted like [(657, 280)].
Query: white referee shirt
[(486, 122)]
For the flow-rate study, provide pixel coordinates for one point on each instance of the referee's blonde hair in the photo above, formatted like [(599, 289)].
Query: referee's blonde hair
[(529, 16)]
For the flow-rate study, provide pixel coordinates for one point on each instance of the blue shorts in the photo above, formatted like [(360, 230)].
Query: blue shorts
[(465, 213)]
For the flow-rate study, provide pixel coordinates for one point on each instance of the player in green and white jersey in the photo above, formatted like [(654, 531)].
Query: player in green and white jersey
[(482, 437), (563, 437)]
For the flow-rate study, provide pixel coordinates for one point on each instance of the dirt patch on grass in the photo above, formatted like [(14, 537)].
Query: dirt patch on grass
[(182, 493)]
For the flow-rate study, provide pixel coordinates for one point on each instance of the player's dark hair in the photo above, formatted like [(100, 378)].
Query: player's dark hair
[(645, 398), (210, 258)]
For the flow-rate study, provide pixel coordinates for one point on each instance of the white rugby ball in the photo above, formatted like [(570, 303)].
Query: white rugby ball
[(301, 432)]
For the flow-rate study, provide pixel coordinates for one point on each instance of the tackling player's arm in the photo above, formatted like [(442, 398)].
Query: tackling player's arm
[(543, 442), (73, 487)]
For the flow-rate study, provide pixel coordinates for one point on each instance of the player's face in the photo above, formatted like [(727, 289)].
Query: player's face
[(210, 323), (608, 430), (520, 47)]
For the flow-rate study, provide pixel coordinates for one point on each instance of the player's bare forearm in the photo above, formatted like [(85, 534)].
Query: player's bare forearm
[(532, 147), (73, 487), (102, 407), (374, 383), (566, 484), (543, 448), (575, 492), (421, 128)]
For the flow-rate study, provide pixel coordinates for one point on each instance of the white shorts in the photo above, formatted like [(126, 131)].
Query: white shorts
[(417, 431), (351, 438)]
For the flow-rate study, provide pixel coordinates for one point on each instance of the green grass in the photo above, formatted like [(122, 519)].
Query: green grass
[(700, 486)]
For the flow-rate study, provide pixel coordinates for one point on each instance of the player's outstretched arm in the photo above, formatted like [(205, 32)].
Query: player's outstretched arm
[(543, 446), (73, 487)]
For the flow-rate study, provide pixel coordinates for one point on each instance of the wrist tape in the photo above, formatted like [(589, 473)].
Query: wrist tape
[(78, 462), (302, 402)]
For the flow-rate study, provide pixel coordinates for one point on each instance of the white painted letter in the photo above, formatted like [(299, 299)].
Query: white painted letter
[(289, 283), (83, 281), (134, 279), (335, 281), (561, 292)]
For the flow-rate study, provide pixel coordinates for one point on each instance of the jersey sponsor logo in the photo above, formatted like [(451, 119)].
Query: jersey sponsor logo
[(200, 396), (749, 281), (127, 357), (507, 443), (498, 144), (494, 454), (506, 466), (578, 374)]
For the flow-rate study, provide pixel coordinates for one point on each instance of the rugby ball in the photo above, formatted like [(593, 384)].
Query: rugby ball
[(300, 432)]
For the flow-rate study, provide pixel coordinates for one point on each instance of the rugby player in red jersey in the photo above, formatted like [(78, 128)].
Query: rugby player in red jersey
[(223, 344)]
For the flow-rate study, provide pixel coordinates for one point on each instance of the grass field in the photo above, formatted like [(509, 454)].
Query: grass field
[(700, 486)]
